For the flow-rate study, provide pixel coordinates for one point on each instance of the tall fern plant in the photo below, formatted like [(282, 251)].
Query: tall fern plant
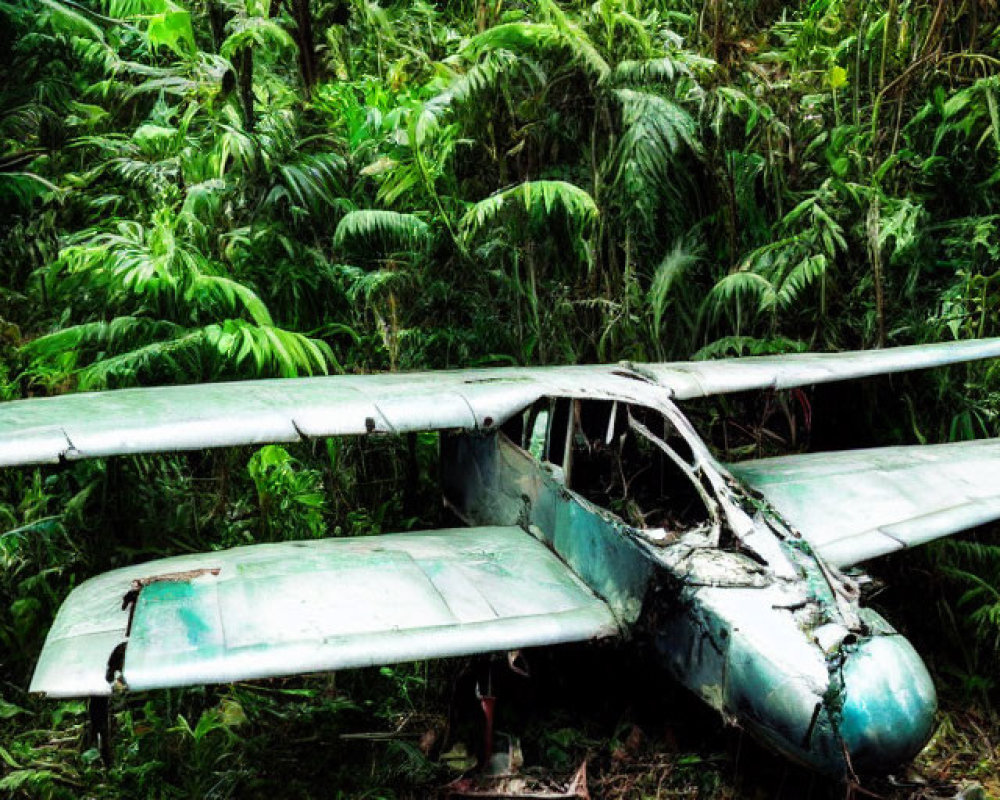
[(177, 216), (555, 232), (169, 314)]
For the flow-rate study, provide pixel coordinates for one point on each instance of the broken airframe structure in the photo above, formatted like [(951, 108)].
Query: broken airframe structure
[(732, 572)]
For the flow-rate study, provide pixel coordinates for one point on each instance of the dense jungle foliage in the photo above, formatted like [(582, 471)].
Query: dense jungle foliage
[(199, 190)]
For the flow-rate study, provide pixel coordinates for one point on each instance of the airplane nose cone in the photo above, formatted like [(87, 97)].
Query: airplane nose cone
[(888, 704)]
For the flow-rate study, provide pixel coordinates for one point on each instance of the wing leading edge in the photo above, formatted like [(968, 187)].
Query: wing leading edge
[(280, 609), (859, 504), (168, 418)]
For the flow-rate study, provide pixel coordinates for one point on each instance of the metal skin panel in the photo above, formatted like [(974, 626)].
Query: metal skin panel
[(278, 609), (858, 504), (169, 418)]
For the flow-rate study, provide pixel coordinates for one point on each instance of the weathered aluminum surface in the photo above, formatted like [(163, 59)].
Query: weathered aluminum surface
[(280, 609), (760, 652), (46, 430), (858, 504)]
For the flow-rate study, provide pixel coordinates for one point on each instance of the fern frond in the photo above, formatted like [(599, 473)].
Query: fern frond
[(670, 270), (537, 199), (551, 41), (390, 230)]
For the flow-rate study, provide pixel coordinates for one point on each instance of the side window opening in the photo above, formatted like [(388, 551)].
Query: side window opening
[(559, 427), (515, 427)]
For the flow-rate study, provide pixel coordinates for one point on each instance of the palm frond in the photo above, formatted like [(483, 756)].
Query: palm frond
[(496, 69), (65, 347), (203, 200), (25, 187), (739, 346), (802, 275), (642, 72), (737, 291), (655, 130), (314, 180), (255, 32), (71, 21), (268, 350), (219, 291)]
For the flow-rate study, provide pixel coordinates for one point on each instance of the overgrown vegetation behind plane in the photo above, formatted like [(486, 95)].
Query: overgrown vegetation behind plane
[(218, 189)]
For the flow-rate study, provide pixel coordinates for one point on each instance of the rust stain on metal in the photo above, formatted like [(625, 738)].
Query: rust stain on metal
[(175, 577)]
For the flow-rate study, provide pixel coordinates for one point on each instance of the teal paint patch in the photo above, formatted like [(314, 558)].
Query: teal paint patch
[(183, 613), (197, 629), (889, 703)]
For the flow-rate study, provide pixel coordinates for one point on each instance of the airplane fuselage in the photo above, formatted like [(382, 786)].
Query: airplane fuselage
[(744, 613)]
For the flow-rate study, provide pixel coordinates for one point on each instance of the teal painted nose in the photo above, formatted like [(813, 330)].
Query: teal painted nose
[(889, 702)]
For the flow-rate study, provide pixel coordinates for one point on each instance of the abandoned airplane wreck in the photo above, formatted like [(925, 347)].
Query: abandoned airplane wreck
[(595, 511)]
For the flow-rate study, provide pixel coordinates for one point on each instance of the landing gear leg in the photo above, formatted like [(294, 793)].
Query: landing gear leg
[(99, 729)]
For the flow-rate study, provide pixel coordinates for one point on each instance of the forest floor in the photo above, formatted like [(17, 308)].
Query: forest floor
[(403, 732)]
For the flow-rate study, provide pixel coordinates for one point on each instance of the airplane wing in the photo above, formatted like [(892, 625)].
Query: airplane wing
[(693, 379), (278, 609), (169, 418), (855, 505)]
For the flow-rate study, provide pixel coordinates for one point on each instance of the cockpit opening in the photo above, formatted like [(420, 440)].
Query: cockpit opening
[(625, 458)]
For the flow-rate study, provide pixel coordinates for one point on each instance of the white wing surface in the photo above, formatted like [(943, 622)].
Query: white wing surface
[(280, 609), (858, 504), (158, 419), (693, 379)]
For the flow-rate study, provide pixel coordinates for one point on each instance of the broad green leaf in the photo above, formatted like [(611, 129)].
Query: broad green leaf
[(172, 29)]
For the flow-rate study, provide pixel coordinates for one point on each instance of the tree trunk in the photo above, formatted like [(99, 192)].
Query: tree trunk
[(245, 68), (306, 45)]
